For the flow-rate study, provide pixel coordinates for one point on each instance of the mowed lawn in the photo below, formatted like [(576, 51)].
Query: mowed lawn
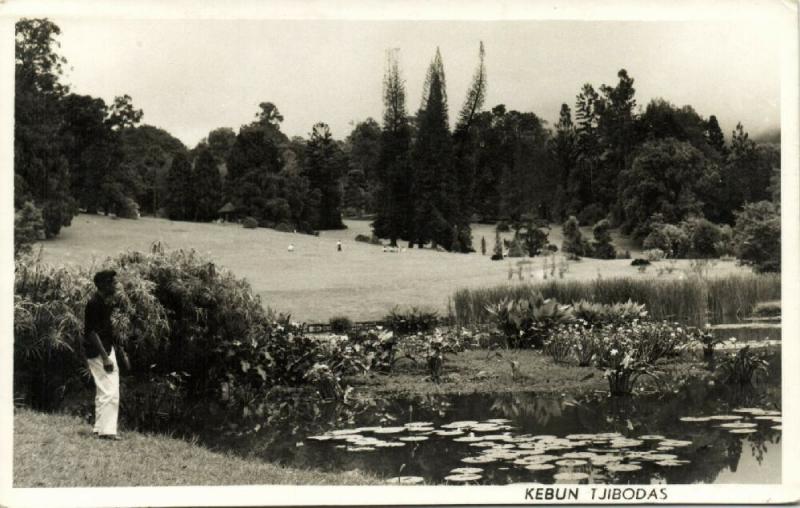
[(315, 282)]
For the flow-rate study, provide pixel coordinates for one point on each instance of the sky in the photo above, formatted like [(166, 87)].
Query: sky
[(192, 76)]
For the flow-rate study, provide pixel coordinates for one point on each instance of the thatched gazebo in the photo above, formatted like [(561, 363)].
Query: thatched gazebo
[(228, 211)]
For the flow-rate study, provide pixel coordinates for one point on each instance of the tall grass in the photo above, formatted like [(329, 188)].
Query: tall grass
[(694, 301)]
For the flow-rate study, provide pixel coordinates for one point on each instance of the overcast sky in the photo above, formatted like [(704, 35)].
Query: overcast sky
[(190, 77)]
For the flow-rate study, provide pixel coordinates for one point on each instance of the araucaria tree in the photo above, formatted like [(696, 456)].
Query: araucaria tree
[(434, 187), (394, 205), (324, 166)]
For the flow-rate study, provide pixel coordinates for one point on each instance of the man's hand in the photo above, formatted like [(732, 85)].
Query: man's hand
[(108, 365), (125, 361)]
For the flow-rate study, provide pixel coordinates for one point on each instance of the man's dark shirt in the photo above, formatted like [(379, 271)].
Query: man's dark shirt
[(97, 318)]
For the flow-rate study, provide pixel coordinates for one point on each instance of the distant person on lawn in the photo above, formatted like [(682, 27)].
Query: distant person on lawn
[(101, 355)]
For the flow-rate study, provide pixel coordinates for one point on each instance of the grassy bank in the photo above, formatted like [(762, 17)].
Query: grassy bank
[(52, 450), (692, 300), (315, 282)]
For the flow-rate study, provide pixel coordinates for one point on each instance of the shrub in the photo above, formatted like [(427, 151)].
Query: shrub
[(284, 227), (767, 309), (411, 320), (669, 238), (363, 238), (483, 245), (503, 227), (742, 367), (249, 223), (757, 236), (602, 247), (654, 254), (591, 214), (640, 262), (340, 324), (574, 244), (28, 228), (527, 323), (515, 249), (497, 253), (600, 314), (127, 208), (704, 236)]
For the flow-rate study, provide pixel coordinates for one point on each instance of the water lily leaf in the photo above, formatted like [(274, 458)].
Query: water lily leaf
[(726, 417), (777, 427), (389, 430), (571, 462), (695, 418), (360, 449), (622, 468), (405, 480), (742, 431), (467, 470), (539, 467), (463, 478), (652, 437), (739, 425), (467, 439), (412, 438), (579, 455), (570, 476)]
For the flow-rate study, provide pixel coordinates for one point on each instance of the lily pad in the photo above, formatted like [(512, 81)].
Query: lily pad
[(655, 457), (343, 432), (468, 439), (674, 443), (498, 420), (360, 449), (739, 425), (751, 410), (571, 462), (463, 478), (418, 424), (652, 437), (742, 431), (695, 418), (669, 463), (579, 455), (665, 448), (445, 433), (570, 476), (482, 459), (389, 430), (459, 424), (581, 437), (726, 417), (405, 480), (389, 444), (320, 438), (539, 467), (622, 468), (626, 443), (777, 427), (467, 470), (409, 439)]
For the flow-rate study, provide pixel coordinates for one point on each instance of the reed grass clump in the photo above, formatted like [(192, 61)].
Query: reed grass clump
[(693, 301)]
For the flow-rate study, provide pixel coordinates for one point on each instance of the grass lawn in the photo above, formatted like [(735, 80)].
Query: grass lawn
[(315, 282), (53, 450)]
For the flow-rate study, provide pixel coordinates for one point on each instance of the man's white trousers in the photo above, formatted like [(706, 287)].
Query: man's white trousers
[(106, 400)]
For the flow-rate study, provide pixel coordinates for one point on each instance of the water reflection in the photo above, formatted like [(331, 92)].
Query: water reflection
[(713, 453)]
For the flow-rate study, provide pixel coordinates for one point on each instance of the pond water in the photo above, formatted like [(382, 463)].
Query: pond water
[(730, 436)]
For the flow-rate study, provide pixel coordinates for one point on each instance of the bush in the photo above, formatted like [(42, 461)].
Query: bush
[(411, 320), (128, 209), (602, 247), (767, 309), (503, 227), (515, 249), (362, 238), (669, 238), (654, 254), (704, 236), (591, 214), (640, 262), (28, 228), (527, 323), (600, 314), (574, 244), (340, 324), (250, 223), (284, 227), (757, 236), (743, 367)]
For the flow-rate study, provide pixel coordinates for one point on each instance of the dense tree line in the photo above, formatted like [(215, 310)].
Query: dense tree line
[(604, 159)]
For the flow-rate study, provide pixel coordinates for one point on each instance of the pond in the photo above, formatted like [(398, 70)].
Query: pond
[(697, 433)]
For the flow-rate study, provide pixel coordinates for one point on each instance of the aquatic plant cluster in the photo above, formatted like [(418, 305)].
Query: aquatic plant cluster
[(604, 457), (624, 351)]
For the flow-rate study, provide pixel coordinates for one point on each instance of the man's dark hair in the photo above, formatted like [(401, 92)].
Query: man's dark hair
[(104, 277)]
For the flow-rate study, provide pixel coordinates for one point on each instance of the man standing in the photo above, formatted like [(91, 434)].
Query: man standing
[(101, 355)]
